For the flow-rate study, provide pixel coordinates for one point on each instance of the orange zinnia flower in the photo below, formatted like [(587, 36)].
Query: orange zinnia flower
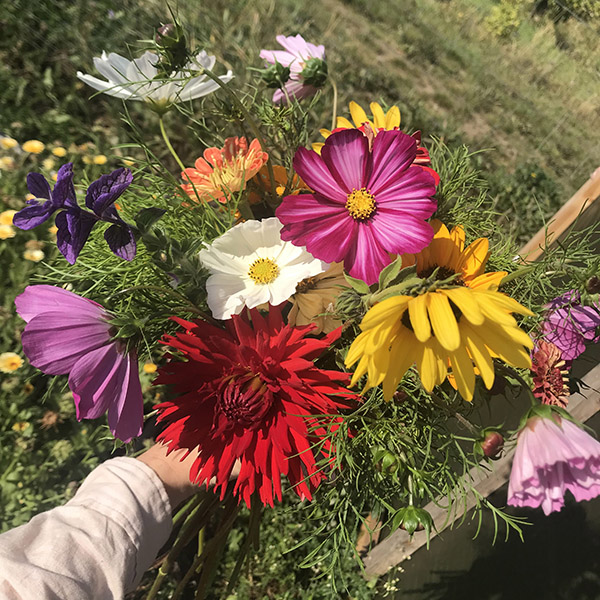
[(225, 171)]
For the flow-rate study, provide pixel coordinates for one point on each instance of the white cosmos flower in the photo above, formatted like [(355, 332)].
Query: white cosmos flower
[(137, 79), (251, 265)]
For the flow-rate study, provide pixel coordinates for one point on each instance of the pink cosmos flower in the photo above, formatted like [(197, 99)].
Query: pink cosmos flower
[(366, 204), (68, 334), (553, 455), (297, 52)]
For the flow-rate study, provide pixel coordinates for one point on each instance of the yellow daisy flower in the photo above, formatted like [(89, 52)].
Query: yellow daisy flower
[(8, 143), (59, 151), (7, 231), (447, 251), (389, 120), (9, 362), (33, 146), (34, 255), (149, 367), (48, 164), (7, 163), (460, 328), (20, 426), (6, 217), (100, 159)]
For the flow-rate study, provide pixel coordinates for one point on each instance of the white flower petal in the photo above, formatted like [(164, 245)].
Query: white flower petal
[(217, 261), (107, 87)]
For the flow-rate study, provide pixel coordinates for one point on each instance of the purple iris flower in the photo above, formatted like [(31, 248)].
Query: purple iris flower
[(74, 223), (569, 324), (62, 196), (68, 334)]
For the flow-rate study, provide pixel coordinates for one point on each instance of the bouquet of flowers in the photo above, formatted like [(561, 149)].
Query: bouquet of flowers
[(325, 314)]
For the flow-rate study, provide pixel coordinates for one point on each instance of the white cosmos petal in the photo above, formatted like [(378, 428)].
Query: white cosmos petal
[(226, 294), (105, 67), (205, 60), (217, 261), (112, 89)]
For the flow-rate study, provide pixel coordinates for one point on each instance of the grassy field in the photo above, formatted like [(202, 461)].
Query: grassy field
[(530, 104)]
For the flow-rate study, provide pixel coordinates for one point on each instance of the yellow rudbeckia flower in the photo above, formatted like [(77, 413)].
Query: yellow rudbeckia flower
[(447, 251), (389, 120), (458, 328)]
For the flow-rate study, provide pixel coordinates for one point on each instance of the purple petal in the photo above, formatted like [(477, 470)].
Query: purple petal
[(346, 154), (97, 379), (410, 192), (74, 228), (366, 258), (121, 241), (54, 341), (38, 186), (126, 414), (38, 299), (393, 153), (33, 215), (103, 192), (314, 172), (64, 192)]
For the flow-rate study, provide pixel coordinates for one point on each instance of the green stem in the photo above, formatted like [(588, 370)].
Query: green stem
[(253, 126), (163, 131), (335, 100), (462, 420)]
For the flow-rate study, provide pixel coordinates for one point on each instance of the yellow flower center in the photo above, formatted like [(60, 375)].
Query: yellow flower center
[(263, 270), (360, 204)]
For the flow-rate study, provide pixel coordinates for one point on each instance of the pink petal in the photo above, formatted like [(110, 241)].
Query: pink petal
[(366, 258), (393, 153), (346, 154), (401, 233), (412, 192), (277, 56), (38, 299), (55, 341), (314, 172)]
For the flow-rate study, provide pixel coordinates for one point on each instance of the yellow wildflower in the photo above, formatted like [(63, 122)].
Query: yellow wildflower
[(8, 143), (33, 255), (20, 426), (33, 146), (87, 160), (59, 151), (389, 120), (7, 163), (9, 362), (6, 217), (53, 230), (128, 162), (100, 159), (7, 231), (48, 164), (149, 367)]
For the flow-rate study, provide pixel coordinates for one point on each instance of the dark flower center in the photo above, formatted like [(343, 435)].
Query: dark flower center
[(443, 273), (310, 283), (244, 401)]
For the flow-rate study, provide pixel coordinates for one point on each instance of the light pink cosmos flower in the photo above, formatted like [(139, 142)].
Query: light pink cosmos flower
[(367, 203), (297, 52), (68, 334), (553, 455)]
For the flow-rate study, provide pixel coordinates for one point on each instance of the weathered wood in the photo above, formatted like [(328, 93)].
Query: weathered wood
[(583, 198), (399, 546)]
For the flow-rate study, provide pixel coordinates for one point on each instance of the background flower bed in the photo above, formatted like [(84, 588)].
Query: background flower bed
[(434, 59)]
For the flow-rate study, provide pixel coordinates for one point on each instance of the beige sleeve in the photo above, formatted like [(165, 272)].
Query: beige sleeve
[(97, 546)]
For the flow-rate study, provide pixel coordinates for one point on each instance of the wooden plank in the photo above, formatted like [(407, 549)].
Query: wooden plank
[(563, 219), (399, 546)]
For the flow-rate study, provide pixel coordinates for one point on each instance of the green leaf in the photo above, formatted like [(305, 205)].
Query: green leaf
[(147, 217), (390, 273), (357, 284)]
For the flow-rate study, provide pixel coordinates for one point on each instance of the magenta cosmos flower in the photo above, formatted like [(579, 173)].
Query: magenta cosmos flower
[(553, 455), (366, 203), (68, 334)]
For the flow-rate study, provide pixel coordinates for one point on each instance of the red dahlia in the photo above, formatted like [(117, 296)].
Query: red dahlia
[(252, 392), (550, 374)]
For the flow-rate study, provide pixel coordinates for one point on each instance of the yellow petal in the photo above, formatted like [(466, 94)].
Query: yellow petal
[(466, 301), (427, 366), (325, 133), (378, 115), (317, 146), (386, 310), (343, 123), (487, 281), (401, 358), (443, 321), (417, 310), (361, 369), (480, 355), (359, 116), (464, 375), (508, 303), (506, 349), (357, 348), (392, 119), (475, 257), (458, 237)]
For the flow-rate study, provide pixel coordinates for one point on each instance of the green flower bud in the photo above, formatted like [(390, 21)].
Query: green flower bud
[(275, 76), (315, 72), (411, 519)]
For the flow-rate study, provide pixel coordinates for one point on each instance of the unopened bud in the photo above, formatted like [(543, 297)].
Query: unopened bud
[(275, 76), (492, 444), (315, 72), (166, 34), (593, 285), (400, 396), (412, 519)]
